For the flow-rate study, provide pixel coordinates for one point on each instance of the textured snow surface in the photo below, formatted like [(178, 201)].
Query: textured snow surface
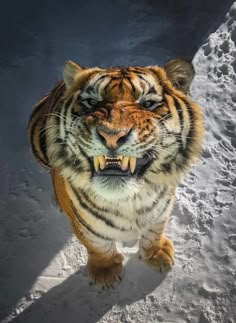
[(42, 265)]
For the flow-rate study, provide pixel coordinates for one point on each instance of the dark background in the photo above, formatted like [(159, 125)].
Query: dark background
[(36, 38)]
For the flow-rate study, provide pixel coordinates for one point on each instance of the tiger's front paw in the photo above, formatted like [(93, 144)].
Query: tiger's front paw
[(160, 255), (105, 274)]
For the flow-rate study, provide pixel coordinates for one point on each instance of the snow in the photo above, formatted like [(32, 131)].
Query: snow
[(42, 265)]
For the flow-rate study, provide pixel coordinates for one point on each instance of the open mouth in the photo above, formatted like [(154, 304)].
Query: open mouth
[(120, 165)]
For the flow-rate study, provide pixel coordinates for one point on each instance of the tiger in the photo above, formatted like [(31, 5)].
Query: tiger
[(117, 142)]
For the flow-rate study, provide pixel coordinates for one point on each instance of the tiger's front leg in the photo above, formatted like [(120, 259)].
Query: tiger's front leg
[(104, 262), (157, 250), (104, 265)]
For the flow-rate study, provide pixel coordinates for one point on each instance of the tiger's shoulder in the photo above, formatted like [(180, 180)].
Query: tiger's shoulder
[(37, 125)]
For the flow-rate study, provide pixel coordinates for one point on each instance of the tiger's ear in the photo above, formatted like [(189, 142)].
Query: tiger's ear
[(70, 71), (180, 72)]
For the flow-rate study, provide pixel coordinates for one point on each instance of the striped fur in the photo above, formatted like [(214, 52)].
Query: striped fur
[(148, 104)]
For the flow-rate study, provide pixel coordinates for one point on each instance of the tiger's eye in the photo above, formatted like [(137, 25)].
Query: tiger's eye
[(148, 103), (92, 102)]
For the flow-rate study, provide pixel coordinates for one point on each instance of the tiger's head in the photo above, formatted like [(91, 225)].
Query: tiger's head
[(116, 129)]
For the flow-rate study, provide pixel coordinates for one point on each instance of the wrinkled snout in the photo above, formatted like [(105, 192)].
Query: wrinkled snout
[(113, 138)]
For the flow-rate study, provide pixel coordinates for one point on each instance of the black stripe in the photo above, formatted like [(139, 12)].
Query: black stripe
[(81, 141), (166, 167), (156, 201), (86, 157), (181, 121), (63, 154), (171, 157), (139, 72), (143, 145), (191, 117), (131, 83), (149, 183), (43, 145), (166, 206), (179, 111), (75, 114), (146, 81), (185, 152), (54, 95), (100, 209), (164, 118), (89, 89), (99, 79), (168, 146), (167, 130), (66, 107), (103, 209), (84, 108), (32, 134), (79, 98), (117, 77), (155, 73), (107, 85), (95, 214), (37, 107), (86, 225), (152, 90), (120, 87), (113, 86)]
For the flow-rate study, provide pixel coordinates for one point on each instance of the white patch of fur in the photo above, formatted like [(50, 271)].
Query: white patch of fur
[(173, 126), (115, 191)]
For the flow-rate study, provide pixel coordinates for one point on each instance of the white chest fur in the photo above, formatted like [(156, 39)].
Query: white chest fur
[(123, 219)]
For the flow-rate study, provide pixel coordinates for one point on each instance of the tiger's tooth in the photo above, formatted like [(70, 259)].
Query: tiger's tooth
[(125, 162), (102, 162), (96, 163), (132, 164), (120, 157)]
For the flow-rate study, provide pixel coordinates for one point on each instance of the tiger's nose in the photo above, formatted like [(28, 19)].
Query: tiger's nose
[(113, 138)]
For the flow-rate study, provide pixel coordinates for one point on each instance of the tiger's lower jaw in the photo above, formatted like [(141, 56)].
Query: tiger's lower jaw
[(113, 183)]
